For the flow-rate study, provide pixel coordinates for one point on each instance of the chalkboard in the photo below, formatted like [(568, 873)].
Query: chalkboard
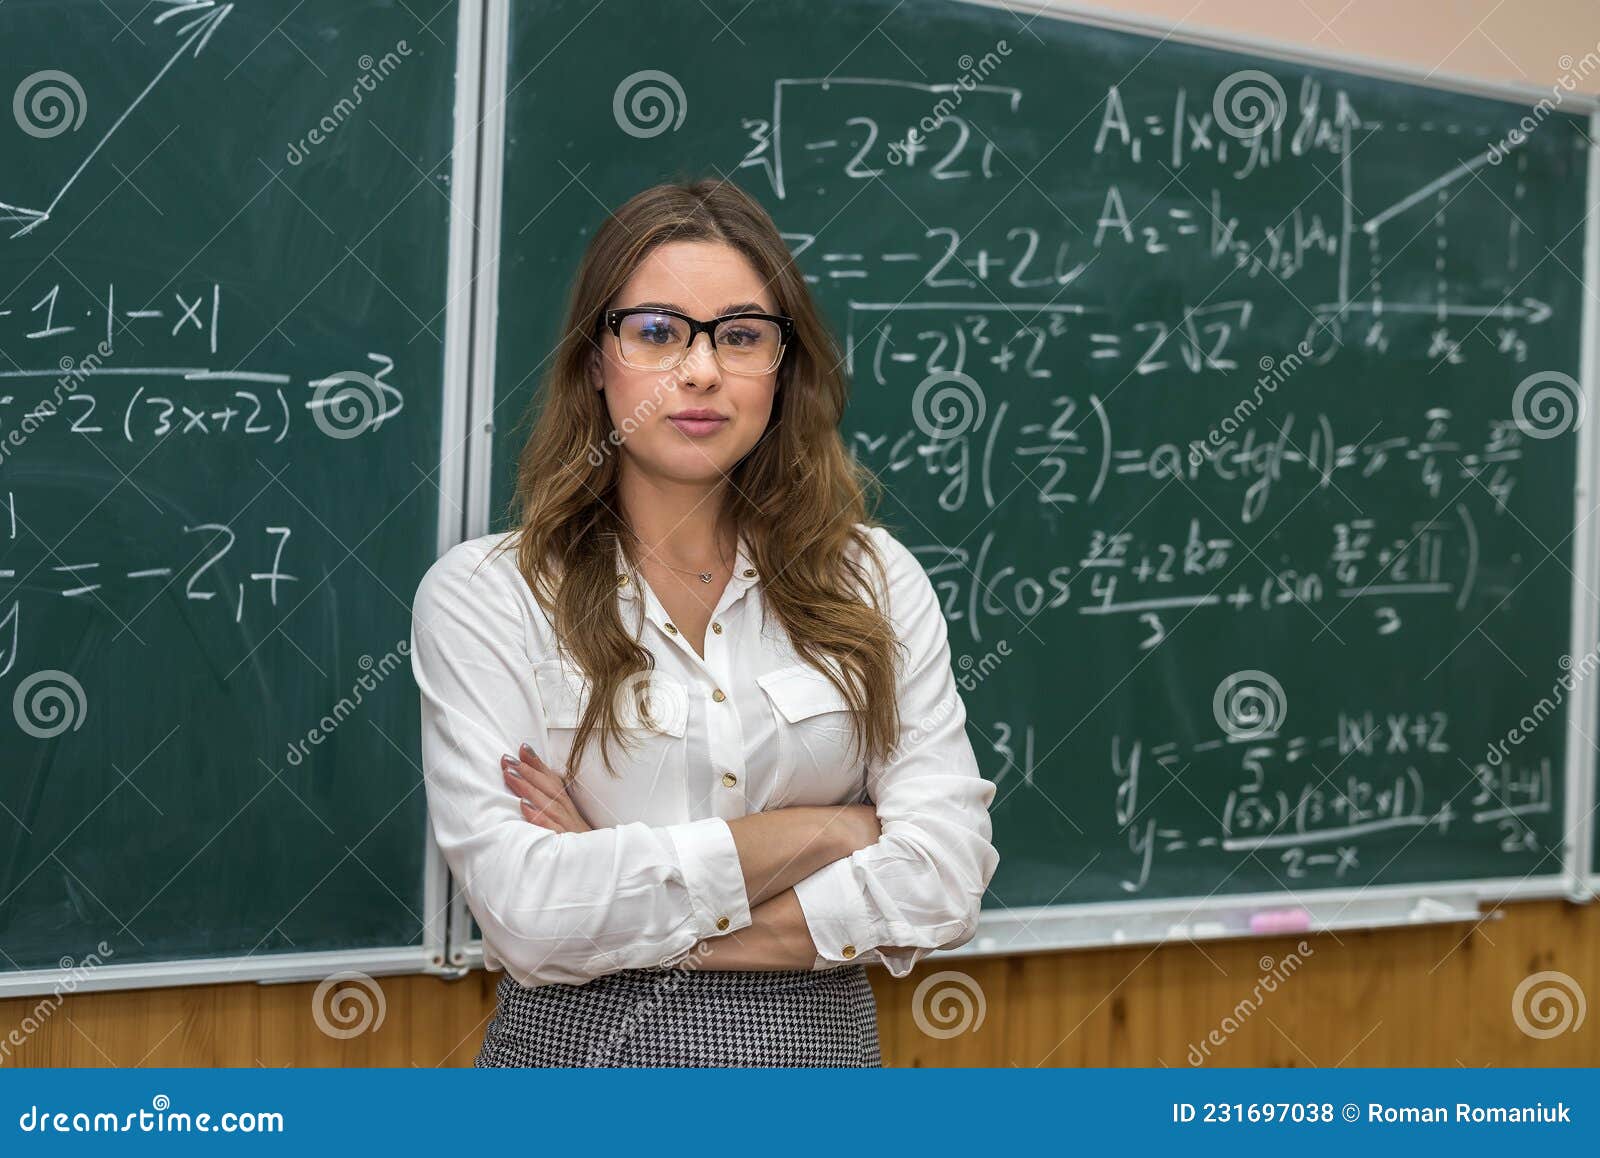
[(1229, 401), (224, 254)]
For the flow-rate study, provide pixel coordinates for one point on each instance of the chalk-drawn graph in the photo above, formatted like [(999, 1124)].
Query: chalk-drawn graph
[(206, 16)]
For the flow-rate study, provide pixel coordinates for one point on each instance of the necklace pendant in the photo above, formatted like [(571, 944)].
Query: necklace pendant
[(705, 576)]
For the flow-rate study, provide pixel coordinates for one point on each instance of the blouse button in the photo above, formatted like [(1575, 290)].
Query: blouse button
[(749, 573), (848, 951), (671, 630), (729, 780), (718, 696), (717, 627), (622, 580), (722, 923)]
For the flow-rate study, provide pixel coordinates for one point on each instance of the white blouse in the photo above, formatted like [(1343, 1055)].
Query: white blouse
[(748, 728)]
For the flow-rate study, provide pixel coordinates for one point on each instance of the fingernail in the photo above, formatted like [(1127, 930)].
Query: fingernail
[(508, 763), (528, 752)]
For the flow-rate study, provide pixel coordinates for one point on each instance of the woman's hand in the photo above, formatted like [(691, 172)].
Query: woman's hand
[(861, 825), (541, 793)]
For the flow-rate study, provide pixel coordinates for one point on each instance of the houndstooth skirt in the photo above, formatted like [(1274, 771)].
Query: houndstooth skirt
[(685, 1017)]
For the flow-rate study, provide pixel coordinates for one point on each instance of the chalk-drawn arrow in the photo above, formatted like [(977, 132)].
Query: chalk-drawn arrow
[(192, 36), (1530, 310)]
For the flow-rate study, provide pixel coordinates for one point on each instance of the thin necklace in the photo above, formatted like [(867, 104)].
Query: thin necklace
[(703, 576)]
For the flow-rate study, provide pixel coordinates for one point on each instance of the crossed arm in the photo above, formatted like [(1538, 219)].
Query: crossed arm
[(777, 850), (559, 900)]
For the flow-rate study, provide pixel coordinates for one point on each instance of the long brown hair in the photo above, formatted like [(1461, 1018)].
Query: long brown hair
[(797, 496)]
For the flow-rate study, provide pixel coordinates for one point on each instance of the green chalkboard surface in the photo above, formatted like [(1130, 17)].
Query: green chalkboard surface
[(1227, 401), (223, 246)]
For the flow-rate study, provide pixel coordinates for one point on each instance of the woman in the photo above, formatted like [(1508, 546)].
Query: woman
[(693, 586)]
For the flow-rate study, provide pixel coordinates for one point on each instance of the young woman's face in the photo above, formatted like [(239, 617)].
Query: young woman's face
[(704, 280)]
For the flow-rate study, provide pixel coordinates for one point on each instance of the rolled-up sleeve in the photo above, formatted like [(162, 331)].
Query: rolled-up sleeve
[(920, 887), (553, 907)]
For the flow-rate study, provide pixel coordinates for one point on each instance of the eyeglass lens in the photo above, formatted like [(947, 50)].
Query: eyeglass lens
[(659, 342)]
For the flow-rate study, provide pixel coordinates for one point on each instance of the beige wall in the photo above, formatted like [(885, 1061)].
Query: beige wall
[(1528, 42)]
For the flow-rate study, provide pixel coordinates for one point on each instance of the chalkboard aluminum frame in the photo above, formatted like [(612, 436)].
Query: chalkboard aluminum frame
[(1583, 786), (1099, 924), (429, 955), (466, 950)]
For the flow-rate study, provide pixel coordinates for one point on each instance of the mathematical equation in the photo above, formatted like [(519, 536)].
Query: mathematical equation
[(206, 562), (1305, 803), (142, 413), (1075, 459), (120, 376), (1158, 581), (116, 389)]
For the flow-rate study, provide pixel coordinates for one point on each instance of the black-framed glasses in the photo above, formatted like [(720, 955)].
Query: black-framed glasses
[(652, 338)]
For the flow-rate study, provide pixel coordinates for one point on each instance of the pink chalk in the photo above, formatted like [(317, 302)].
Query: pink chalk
[(1280, 921)]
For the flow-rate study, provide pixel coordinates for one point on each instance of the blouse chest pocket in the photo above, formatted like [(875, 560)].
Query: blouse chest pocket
[(648, 757), (565, 695), (816, 729)]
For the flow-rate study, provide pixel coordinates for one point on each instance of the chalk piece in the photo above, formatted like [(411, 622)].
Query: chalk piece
[(1280, 921), (1428, 909)]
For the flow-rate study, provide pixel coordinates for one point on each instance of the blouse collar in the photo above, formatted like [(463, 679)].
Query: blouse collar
[(744, 574)]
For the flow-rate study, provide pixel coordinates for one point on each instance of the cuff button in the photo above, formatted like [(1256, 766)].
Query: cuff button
[(848, 951), (722, 924)]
